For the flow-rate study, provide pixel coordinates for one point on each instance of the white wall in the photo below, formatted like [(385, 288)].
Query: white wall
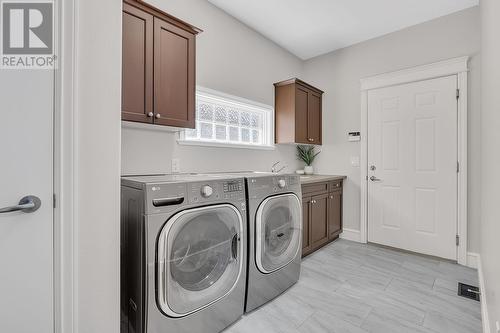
[(490, 152), (230, 58), (338, 74), (97, 156)]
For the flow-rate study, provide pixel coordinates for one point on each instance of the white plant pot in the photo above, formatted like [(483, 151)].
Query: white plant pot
[(308, 170)]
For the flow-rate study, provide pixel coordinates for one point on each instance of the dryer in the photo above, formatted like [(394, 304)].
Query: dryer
[(274, 234), (183, 253)]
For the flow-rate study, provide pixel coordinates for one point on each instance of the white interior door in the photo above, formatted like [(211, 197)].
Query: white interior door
[(26, 239), (412, 166)]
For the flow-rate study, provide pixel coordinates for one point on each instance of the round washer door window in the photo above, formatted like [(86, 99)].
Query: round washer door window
[(278, 232), (199, 258)]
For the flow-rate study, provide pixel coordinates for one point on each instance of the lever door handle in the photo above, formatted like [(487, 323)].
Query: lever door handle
[(375, 179), (28, 204)]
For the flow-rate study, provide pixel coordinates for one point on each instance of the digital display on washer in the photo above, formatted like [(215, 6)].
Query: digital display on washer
[(233, 186)]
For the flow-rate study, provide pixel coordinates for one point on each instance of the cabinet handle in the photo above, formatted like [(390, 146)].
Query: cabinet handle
[(331, 196), (150, 114), (158, 116), (310, 140)]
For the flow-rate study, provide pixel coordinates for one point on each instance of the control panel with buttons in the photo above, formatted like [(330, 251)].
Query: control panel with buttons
[(211, 191)]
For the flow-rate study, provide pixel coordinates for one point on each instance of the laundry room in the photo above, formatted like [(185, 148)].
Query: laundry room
[(231, 166)]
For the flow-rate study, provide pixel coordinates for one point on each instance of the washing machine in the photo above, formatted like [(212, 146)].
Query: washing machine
[(183, 253), (274, 235)]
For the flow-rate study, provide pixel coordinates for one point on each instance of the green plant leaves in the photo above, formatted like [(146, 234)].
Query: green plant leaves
[(307, 153)]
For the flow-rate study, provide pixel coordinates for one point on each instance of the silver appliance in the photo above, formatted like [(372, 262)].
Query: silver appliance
[(274, 235), (183, 253)]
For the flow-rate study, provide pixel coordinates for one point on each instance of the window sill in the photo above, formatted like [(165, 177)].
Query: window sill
[(223, 145)]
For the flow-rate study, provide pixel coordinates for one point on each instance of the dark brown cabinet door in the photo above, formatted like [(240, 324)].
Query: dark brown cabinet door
[(335, 214), (298, 112), (301, 117), (306, 225), (174, 75), (137, 65), (319, 220), (314, 118)]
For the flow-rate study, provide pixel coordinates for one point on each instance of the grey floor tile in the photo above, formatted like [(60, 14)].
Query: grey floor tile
[(440, 322), (380, 323), (290, 308), (386, 302), (350, 287), (262, 322), (430, 300), (322, 322), (349, 309)]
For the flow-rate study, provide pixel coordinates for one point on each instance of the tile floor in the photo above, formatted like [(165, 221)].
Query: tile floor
[(350, 287)]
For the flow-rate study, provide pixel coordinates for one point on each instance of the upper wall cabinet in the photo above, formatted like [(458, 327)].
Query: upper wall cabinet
[(298, 112), (158, 67)]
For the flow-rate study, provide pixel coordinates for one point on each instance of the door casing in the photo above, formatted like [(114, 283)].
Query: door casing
[(455, 66)]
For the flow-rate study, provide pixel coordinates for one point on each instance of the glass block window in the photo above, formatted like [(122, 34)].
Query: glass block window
[(230, 120)]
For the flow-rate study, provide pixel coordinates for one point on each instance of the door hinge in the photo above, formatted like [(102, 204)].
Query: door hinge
[(458, 93), (457, 240), (54, 200), (458, 167)]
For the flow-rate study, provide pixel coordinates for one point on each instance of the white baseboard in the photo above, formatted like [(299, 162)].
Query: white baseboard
[(351, 234), (482, 289), (472, 259)]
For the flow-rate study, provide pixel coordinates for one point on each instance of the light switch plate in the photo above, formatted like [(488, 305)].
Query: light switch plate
[(355, 161), (176, 165)]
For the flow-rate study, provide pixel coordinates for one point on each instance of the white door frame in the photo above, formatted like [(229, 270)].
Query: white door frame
[(455, 66), (65, 170)]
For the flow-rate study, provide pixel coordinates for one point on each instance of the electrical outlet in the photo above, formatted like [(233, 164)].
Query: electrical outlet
[(176, 165)]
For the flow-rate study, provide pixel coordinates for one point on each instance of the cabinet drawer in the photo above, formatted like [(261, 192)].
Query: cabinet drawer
[(315, 188), (335, 185)]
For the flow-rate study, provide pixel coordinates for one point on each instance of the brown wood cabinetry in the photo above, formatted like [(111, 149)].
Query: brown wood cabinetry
[(319, 220), (321, 214), (158, 67), (298, 108), (335, 214), (306, 213)]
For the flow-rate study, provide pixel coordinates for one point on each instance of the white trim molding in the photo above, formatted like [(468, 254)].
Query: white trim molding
[(351, 234), (424, 72), (456, 66), (482, 290), (472, 260), (65, 170)]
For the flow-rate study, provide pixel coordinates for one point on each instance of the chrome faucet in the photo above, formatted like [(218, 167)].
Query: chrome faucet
[(274, 168)]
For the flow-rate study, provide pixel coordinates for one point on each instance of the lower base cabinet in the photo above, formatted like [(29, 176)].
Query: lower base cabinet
[(322, 214)]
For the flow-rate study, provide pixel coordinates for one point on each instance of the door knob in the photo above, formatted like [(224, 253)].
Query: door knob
[(375, 179), (28, 204)]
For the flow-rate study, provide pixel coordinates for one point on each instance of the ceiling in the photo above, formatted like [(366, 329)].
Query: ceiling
[(308, 28)]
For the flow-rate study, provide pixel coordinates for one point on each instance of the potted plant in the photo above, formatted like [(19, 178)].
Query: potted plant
[(307, 154)]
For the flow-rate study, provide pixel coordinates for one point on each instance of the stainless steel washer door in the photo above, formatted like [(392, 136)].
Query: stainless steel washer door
[(278, 232), (199, 258)]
